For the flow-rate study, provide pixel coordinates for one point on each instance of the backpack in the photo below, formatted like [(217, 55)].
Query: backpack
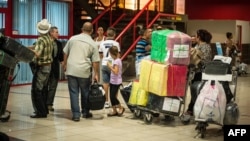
[(96, 96)]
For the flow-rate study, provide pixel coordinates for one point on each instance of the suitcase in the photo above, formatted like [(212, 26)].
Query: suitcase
[(217, 68), (17, 50), (7, 61), (125, 92), (232, 114), (96, 97), (4, 92)]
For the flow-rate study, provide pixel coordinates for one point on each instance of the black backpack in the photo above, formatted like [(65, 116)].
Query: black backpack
[(96, 97)]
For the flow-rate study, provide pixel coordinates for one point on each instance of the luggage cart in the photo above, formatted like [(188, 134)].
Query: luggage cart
[(162, 105), (232, 79), (125, 92)]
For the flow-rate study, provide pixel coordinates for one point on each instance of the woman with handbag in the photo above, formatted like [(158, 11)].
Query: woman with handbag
[(203, 38)]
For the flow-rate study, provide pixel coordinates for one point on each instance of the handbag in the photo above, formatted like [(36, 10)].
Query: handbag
[(96, 96), (195, 56)]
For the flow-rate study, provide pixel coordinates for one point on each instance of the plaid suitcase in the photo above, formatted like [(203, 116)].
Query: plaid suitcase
[(17, 50), (4, 88), (7, 61)]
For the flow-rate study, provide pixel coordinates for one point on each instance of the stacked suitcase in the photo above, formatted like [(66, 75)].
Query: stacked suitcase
[(10, 53), (164, 76)]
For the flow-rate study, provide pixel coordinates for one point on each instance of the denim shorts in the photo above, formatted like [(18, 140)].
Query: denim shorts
[(105, 74)]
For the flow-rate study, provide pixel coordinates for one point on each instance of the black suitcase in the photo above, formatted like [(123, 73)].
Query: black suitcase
[(217, 68), (4, 92), (125, 92), (96, 97), (17, 50), (7, 60), (232, 114)]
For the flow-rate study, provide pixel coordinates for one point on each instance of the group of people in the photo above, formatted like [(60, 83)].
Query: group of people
[(45, 68), (80, 59)]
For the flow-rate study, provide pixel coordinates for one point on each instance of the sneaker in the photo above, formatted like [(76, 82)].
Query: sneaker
[(76, 119), (106, 105), (89, 115), (50, 108)]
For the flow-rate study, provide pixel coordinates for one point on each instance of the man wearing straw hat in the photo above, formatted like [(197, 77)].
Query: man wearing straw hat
[(43, 59)]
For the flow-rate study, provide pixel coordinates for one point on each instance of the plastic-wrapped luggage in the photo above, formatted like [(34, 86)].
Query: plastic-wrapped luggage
[(170, 46), (4, 92), (7, 60), (17, 50), (211, 103)]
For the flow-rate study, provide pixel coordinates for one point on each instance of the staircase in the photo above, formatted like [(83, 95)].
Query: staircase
[(127, 23)]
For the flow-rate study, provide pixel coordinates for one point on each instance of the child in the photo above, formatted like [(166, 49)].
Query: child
[(115, 81)]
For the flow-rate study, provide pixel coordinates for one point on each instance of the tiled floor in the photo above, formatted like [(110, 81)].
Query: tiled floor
[(59, 126)]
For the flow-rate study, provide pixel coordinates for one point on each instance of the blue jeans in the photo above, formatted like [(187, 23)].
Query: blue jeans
[(106, 74), (75, 84)]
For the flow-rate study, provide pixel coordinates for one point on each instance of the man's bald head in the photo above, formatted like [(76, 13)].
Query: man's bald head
[(87, 27)]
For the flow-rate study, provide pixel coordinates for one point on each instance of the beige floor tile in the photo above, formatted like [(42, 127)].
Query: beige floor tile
[(59, 126)]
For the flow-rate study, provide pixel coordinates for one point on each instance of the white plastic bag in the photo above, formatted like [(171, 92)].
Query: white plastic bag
[(210, 104)]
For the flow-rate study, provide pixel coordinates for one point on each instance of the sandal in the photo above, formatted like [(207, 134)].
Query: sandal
[(121, 113), (112, 114)]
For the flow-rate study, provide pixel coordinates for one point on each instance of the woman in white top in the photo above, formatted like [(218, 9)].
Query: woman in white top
[(100, 36)]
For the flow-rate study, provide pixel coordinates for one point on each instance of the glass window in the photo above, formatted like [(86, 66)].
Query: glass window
[(2, 20), (57, 14), (26, 14), (3, 3)]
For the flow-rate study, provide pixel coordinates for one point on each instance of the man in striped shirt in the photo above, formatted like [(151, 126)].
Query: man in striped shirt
[(143, 48)]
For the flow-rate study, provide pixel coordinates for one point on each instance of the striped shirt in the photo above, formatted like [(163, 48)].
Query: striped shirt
[(141, 49), (44, 47)]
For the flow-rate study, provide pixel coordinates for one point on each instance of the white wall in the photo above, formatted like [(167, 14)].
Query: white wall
[(218, 28), (245, 30)]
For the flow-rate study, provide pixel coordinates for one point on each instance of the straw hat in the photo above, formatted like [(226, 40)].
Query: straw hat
[(43, 26)]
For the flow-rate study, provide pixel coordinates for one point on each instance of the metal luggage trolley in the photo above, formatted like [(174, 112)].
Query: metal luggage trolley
[(169, 106), (232, 79), (125, 92)]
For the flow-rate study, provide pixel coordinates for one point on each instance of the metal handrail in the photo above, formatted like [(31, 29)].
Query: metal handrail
[(117, 20), (101, 3), (130, 48), (103, 13), (149, 25), (158, 16), (134, 19)]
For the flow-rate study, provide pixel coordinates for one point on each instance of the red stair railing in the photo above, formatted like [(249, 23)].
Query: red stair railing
[(134, 19), (95, 21), (149, 25)]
